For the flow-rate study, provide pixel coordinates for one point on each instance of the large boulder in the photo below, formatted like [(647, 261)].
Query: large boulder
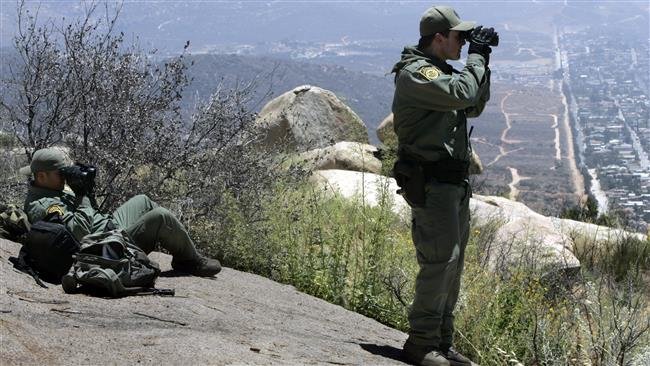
[(309, 117), (344, 155), (568, 228)]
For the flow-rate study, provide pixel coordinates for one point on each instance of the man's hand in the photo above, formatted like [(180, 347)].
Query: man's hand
[(481, 39), (80, 179), (486, 36)]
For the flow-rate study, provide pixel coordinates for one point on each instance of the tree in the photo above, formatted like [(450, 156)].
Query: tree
[(79, 84)]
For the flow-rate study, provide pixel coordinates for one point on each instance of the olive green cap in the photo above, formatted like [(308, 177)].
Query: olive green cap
[(438, 19), (44, 160)]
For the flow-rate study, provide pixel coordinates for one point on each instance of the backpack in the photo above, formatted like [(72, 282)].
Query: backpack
[(14, 223), (48, 249), (110, 264)]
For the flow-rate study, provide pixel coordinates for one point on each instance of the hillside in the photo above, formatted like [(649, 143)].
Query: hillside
[(236, 318)]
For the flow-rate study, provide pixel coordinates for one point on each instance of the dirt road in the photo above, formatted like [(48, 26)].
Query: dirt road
[(576, 177)]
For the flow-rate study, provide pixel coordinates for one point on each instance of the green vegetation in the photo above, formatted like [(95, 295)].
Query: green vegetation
[(588, 212), (362, 258), (388, 154), (326, 246), (624, 257), (122, 113)]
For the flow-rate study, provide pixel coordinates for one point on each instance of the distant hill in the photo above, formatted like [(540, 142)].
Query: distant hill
[(217, 25), (368, 95)]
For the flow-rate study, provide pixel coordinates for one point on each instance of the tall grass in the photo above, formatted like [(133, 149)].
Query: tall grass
[(622, 257), (344, 252), (362, 258)]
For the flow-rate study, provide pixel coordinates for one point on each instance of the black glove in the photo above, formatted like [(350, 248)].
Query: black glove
[(480, 41)]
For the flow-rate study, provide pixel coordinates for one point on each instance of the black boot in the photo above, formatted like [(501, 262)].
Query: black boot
[(201, 267), (455, 358), (423, 355)]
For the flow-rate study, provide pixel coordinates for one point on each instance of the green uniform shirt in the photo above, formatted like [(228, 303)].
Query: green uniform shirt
[(432, 102), (78, 214)]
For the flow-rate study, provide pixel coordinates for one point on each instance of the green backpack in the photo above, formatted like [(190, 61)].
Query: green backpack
[(110, 264)]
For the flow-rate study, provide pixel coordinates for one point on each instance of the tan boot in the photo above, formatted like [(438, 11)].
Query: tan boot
[(423, 355)]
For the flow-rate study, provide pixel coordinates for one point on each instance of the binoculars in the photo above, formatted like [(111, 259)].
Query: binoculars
[(480, 35), (80, 177)]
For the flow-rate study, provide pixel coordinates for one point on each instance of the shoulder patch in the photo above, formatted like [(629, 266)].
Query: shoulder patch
[(55, 208), (429, 72)]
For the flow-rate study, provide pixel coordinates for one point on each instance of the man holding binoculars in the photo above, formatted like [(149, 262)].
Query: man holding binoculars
[(431, 104), (146, 222)]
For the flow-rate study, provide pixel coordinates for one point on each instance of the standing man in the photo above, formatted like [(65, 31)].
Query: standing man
[(148, 224), (431, 105)]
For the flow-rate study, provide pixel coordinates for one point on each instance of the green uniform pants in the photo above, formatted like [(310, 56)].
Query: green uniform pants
[(148, 224), (440, 233)]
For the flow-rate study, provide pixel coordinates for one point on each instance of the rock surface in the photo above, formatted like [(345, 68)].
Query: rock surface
[(309, 117), (344, 155), (364, 187), (524, 236), (570, 228), (235, 318), (385, 128)]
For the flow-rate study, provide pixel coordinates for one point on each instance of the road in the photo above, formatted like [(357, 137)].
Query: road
[(504, 134), (516, 178), (576, 176)]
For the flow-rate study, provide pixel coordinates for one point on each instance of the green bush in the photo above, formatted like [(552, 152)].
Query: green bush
[(349, 254), (7, 141), (388, 154), (588, 212)]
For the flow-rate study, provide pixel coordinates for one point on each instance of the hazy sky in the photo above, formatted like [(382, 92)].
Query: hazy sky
[(168, 24)]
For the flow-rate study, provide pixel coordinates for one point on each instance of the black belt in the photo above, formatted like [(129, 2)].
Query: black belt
[(446, 171)]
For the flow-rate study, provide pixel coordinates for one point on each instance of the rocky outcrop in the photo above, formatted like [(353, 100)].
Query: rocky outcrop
[(309, 117), (522, 236), (367, 188), (568, 228), (385, 128), (235, 318), (344, 155)]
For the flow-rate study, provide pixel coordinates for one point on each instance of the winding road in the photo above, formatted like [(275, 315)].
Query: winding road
[(504, 134), (516, 178), (577, 178)]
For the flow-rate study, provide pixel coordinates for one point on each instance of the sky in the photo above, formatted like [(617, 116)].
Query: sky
[(167, 25)]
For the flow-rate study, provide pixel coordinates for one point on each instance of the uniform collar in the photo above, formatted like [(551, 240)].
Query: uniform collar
[(412, 54), (36, 191), (445, 67)]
